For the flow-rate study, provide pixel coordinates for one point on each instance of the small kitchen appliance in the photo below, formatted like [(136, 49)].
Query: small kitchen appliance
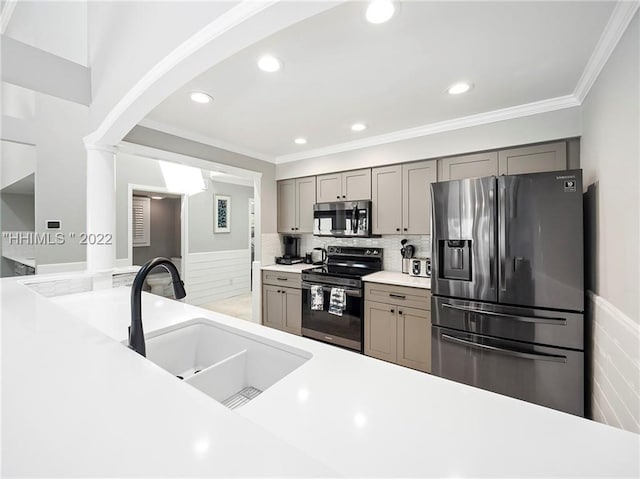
[(420, 267), (407, 253), (291, 251), (319, 256)]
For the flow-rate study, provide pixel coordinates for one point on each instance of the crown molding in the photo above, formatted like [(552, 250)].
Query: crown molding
[(618, 22), (542, 106), (204, 139)]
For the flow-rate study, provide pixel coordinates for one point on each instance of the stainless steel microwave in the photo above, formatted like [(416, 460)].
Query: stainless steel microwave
[(342, 219)]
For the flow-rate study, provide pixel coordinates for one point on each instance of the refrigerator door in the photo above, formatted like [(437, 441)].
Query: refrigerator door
[(540, 326), (464, 259), (540, 240), (551, 377)]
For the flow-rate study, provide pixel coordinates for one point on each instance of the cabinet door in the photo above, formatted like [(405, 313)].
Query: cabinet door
[(414, 338), (416, 196), (386, 186), (286, 206), (329, 187), (356, 185), (533, 159), (468, 166), (380, 331), (306, 198), (292, 311), (272, 307)]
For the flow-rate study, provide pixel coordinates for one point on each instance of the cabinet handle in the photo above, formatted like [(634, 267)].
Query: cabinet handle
[(392, 311), (344, 196), (292, 229), (397, 229), (399, 296), (282, 279), (338, 197), (405, 229), (278, 291), (283, 291), (399, 312)]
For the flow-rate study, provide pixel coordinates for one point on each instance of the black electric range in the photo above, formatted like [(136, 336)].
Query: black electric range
[(344, 269)]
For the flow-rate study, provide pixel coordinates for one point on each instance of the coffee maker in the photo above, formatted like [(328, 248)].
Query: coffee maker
[(291, 251)]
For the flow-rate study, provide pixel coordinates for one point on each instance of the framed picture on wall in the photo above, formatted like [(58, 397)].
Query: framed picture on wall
[(222, 214)]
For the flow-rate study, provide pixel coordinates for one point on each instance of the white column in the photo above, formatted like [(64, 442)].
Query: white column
[(101, 208)]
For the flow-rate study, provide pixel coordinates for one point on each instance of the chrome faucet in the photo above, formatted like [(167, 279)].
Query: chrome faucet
[(136, 334)]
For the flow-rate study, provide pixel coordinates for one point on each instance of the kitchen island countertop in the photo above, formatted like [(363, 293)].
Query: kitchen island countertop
[(78, 402)]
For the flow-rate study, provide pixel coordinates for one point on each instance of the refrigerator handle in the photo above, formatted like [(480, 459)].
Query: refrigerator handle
[(510, 352), (502, 240), (492, 240)]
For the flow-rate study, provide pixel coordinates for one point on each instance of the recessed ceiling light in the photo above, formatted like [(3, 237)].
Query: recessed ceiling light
[(300, 141), (157, 198), (380, 11), (358, 127), (458, 88), (200, 97), (269, 63)]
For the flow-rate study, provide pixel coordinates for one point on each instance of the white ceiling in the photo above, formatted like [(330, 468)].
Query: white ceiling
[(339, 69)]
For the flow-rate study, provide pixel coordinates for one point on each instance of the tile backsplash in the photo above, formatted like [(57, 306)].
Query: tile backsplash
[(392, 260)]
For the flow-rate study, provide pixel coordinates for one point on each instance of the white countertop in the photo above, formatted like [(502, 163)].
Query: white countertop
[(399, 279), (26, 261), (288, 268), (77, 402)]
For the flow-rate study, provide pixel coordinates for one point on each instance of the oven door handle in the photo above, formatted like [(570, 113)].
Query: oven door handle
[(515, 317), (508, 352), (348, 291)]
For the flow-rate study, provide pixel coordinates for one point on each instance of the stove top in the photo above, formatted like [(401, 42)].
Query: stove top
[(348, 262)]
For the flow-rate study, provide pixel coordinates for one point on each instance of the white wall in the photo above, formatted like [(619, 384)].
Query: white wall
[(201, 209), (558, 124), (610, 156), (60, 184)]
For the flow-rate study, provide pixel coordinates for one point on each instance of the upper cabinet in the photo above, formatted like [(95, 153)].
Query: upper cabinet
[(346, 186), (402, 199), (386, 196), (416, 196), (296, 198), (533, 159), (468, 166)]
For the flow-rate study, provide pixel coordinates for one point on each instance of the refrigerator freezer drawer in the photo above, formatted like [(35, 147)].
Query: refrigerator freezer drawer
[(544, 327), (550, 377)]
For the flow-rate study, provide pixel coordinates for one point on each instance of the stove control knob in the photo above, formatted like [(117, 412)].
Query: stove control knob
[(368, 252), (375, 252)]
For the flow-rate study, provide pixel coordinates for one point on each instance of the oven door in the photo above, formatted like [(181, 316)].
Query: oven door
[(345, 330)]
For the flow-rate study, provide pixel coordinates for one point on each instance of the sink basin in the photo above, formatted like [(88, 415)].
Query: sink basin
[(230, 365)]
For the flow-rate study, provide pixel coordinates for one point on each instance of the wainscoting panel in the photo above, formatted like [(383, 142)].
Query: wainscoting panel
[(615, 365), (217, 275)]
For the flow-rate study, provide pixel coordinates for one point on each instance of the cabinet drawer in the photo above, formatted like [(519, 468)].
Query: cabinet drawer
[(398, 295), (276, 278)]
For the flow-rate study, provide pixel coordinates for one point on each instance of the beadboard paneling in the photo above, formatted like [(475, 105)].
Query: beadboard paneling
[(615, 365), (217, 275)]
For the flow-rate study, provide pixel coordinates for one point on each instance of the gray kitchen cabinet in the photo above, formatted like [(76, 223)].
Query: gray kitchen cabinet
[(394, 332), (533, 159), (292, 308), (356, 185), (346, 186), (386, 196), (468, 166), (329, 187), (380, 332), (414, 338), (272, 307), (416, 196), (282, 306), (296, 198), (305, 199)]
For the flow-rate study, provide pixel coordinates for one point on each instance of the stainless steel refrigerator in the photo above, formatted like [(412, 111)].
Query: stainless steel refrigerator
[(507, 286)]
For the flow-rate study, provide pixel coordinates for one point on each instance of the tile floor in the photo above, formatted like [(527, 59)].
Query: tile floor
[(237, 306)]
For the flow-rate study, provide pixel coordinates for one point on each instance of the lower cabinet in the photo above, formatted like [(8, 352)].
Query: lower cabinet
[(282, 308), (396, 333)]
